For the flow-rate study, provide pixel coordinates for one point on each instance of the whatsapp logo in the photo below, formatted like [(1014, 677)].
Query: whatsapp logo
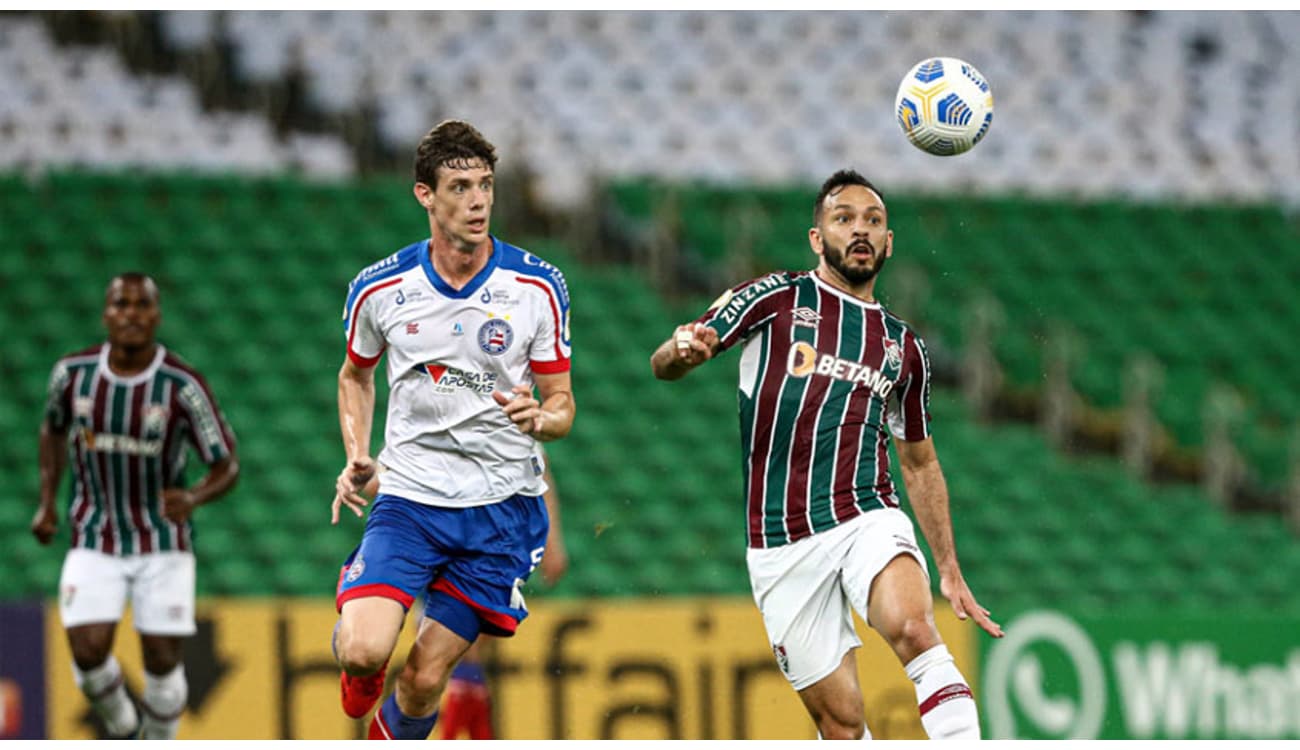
[(1044, 680)]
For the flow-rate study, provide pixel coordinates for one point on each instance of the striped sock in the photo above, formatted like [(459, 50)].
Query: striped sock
[(105, 688), (947, 707), (163, 703), (391, 724)]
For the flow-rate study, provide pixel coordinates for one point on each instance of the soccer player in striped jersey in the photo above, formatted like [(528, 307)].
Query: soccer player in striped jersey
[(124, 412), (470, 326), (827, 374)]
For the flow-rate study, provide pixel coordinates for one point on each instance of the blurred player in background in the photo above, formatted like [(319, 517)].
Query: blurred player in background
[(123, 411), (471, 325), (821, 360)]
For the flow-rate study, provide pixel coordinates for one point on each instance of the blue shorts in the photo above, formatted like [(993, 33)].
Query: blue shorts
[(470, 561)]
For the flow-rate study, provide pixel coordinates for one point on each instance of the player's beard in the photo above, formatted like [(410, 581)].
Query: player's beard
[(836, 257)]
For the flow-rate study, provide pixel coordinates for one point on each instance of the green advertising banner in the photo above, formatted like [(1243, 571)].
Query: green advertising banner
[(1063, 675)]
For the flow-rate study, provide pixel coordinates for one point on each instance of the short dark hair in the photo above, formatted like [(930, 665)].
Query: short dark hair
[(451, 143), (841, 179), (134, 277)]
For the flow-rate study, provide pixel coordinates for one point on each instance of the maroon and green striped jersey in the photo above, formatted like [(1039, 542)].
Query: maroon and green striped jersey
[(127, 441), (825, 379)]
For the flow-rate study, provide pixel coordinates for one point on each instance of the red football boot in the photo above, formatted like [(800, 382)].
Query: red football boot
[(360, 694)]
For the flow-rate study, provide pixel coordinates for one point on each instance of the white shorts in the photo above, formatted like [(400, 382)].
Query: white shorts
[(95, 587), (807, 591)]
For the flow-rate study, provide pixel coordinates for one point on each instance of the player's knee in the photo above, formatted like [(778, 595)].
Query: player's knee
[(422, 688), (90, 651), (849, 725), (914, 636), (361, 656)]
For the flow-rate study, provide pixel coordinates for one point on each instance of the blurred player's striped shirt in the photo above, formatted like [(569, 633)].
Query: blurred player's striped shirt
[(127, 442), (824, 379)]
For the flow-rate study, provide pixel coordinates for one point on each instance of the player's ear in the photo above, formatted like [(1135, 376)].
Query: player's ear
[(889, 243), (815, 240), (423, 194)]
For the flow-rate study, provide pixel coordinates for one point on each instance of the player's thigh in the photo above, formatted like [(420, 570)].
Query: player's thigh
[(901, 608), (481, 591), (397, 557), (92, 588), (162, 593), (369, 627), (885, 573), (835, 701), (808, 620)]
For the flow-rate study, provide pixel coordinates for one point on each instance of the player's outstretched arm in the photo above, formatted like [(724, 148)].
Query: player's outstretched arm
[(356, 411), (928, 492), (691, 345)]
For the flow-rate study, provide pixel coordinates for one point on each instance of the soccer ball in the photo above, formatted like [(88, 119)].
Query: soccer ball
[(944, 106)]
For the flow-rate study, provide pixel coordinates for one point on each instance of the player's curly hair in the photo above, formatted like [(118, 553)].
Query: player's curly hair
[(835, 182), (451, 143)]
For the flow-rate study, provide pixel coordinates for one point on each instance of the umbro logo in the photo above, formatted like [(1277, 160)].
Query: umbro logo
[(805, 316)]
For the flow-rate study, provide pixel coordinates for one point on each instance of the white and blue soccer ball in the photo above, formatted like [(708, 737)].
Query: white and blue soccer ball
[(944, 106)]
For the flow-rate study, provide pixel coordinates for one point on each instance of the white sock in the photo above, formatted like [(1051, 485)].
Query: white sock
[(106, 690), (947, 707), (163, 701)]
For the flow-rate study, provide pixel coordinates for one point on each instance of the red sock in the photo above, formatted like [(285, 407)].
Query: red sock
[(468, 709)]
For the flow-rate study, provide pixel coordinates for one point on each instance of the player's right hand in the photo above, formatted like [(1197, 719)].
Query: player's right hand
[(45, 523), (693, 343), (347, 489)]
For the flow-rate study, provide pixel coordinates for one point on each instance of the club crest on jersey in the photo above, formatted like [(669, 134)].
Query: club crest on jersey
[(355, 570), (495, 336), (782, 658), (893, 353), (805, 317), (155, 417)]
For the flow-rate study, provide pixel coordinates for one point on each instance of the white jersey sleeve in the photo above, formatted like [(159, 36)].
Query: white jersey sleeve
[(550, 350), (365, 337)]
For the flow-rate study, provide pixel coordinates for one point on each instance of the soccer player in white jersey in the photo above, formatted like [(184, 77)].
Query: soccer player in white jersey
[(124, 412), (471, 326), (826, 375)]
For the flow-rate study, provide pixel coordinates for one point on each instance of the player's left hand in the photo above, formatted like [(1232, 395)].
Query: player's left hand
[(522, 408), (555, 561), (955, 590), (178, 504)]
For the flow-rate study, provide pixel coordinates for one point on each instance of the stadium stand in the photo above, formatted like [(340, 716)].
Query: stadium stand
[(649, 510), (1041, 218)]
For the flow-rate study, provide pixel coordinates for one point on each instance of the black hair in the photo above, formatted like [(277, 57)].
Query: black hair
[(837, 181)]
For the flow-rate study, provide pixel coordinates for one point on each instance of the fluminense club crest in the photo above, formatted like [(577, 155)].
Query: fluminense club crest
[(893, 353)]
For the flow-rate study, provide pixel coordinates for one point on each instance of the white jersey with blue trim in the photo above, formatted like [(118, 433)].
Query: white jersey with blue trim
[(446, 440)]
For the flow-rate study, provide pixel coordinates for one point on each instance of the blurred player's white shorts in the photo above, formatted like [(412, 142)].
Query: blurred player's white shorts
[(95, 587), (808, 590)]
